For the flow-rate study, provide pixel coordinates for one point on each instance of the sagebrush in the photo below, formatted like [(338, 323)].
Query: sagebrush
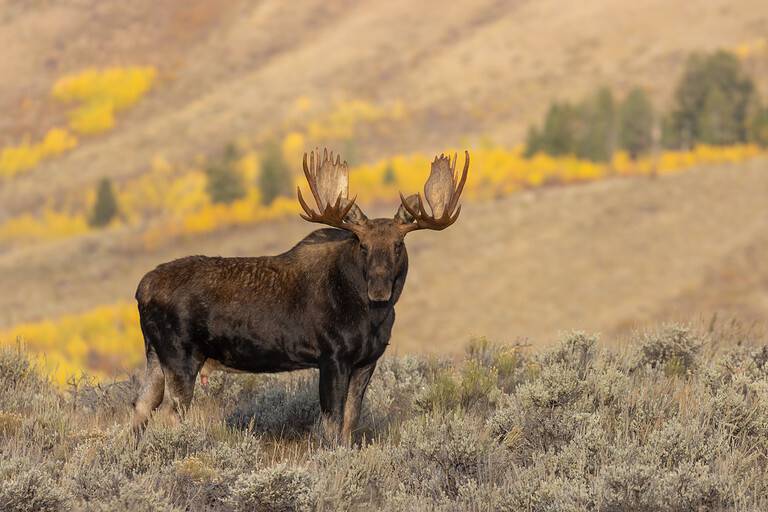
[(676, 421)]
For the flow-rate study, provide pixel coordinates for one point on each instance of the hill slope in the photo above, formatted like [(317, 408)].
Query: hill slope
[(603, 257), (235, 68)]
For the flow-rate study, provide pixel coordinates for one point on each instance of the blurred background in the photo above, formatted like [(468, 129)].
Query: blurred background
[(618, 178)]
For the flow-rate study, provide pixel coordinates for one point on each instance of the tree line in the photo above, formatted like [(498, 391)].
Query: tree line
[(224, 182), (715, 102)]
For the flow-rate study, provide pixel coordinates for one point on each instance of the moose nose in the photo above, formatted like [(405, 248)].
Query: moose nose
[(379, 294), (379, 286)]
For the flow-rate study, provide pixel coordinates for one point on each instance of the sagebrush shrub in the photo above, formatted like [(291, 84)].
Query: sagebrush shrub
[(575, 350), (280, 488), (390, 395), (441, 452), (20, 380), (353, 479), (26, 487), (283, 409), (135, 496), (674, 349), (573, 428), (557, 385)]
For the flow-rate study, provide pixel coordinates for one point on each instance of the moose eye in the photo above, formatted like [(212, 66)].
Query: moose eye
[(364, 250)]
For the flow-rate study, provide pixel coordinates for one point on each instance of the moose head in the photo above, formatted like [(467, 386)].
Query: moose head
[(381, 241)]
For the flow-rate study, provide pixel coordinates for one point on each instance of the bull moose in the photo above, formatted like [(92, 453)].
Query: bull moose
[(327, 303)]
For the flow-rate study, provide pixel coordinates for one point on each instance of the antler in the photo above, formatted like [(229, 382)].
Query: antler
[(442, 190), (329, 182)]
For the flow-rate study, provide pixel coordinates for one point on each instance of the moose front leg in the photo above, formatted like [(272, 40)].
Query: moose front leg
[(334, 383), (358, 383)]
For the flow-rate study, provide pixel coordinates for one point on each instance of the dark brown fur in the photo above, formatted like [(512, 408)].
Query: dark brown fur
[(310, 307), (328, 303)]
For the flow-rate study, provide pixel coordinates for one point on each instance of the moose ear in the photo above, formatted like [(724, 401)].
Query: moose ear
[(355, 215), (402, 214)]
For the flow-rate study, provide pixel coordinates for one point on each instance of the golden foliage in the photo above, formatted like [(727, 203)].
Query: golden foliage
[(50, 225), (176, 203), (104, 341), (101, 93), (17, 159)]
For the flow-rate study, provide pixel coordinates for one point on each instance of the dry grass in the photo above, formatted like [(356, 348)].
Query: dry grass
[(677, 421)]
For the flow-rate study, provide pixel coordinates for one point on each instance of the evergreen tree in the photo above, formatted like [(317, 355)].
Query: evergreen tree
[(711, 102), (558, 136), (596, 127), (532, 142), (275, 178), (389, 177), (224, 182), (758, 126), (105, 208), (636, 123)]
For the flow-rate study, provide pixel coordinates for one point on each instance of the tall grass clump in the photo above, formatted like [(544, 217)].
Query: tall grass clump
[(676, 421)]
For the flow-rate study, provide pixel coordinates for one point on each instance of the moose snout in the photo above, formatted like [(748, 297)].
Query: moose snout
[(379, 287)]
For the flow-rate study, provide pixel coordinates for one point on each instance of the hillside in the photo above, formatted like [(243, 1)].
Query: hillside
[(235, 69), (607, 257)]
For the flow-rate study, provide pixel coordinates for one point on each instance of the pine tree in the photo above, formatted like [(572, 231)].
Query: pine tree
[(105, 208), (225, 183), (758, 126), (533, 142), (558, 136), (711, 102), (275, 178), (389, 177), (636, 123), (596, 129)]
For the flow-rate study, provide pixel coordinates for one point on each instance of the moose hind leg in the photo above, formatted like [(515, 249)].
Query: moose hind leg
[(180, 387), (334, 383), (358, 383), (151, 392)]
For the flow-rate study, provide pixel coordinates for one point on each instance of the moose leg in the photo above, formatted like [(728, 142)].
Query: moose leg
[(334, 382), (151, 393), (358, 383), (179, 387)]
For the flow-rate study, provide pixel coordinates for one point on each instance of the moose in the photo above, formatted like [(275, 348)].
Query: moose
[(327, 303)]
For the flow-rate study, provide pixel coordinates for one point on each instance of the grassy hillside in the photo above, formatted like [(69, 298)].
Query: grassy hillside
[(150, 95), (608, 256), (679, 421), (237, 68)]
